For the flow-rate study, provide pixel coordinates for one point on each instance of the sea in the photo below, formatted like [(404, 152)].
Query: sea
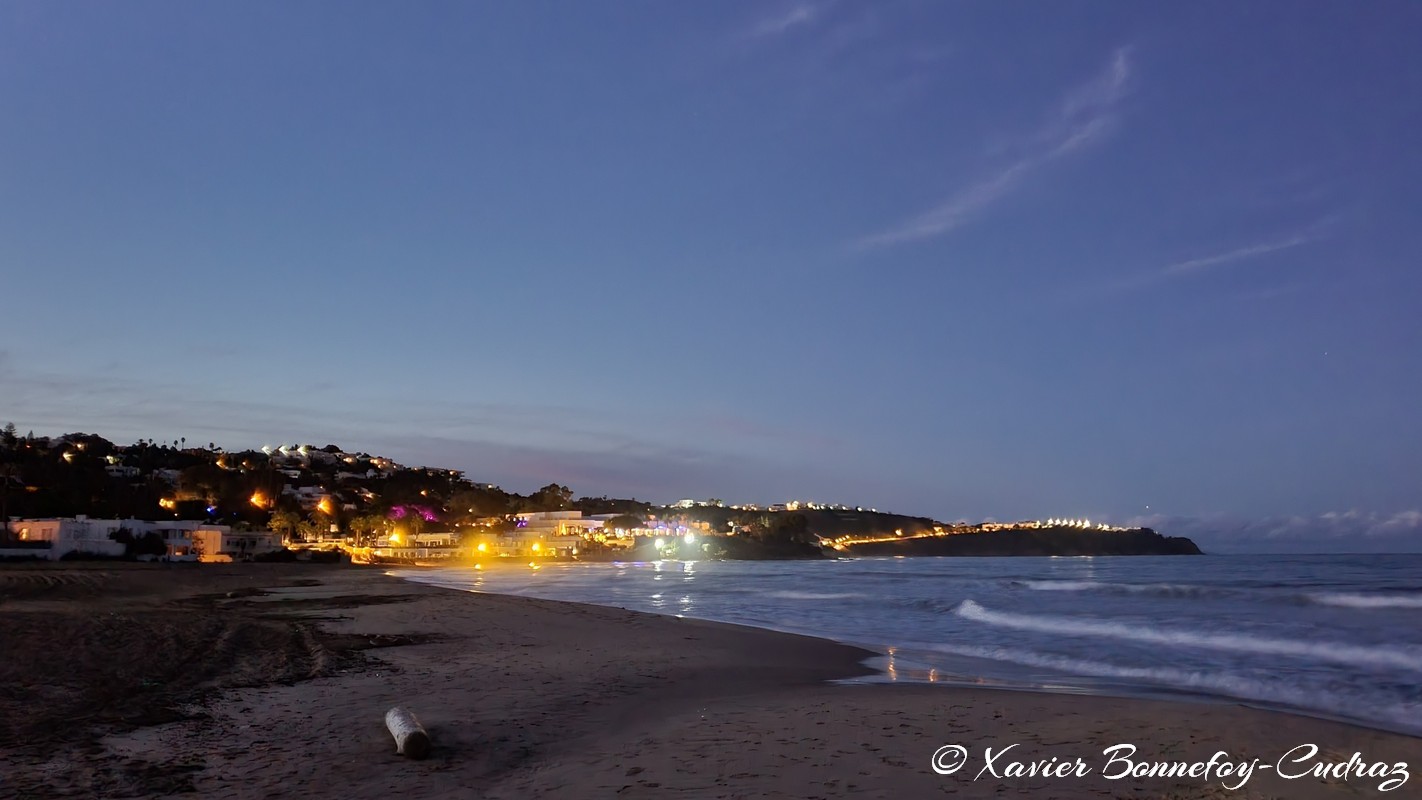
[(1336, 636)]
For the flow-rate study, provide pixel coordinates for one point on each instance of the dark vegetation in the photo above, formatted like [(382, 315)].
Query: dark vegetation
[(365, 497), (1036, 542), (86, 474)]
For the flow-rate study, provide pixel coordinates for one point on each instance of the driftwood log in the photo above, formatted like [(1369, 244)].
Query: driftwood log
[(411, 740)]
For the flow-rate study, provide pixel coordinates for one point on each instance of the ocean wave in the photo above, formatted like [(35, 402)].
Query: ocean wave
[(1336, 652), (1160, 589), (1331, 701), (1348, 600), (1340, 599), (1062, 586), (788, 594)]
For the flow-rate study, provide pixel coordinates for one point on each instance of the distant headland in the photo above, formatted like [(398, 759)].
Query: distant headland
[(80, 495)]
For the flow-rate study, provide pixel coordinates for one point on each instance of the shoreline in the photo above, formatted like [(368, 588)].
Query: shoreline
[(895, 663), (915, 674), (528, 697)]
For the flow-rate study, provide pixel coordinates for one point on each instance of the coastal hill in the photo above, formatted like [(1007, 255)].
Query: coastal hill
[(1051, 541), (308, 493)]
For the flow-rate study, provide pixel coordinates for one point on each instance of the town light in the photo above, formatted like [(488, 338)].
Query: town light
[(689, 538), (660, 543), (482, 547)]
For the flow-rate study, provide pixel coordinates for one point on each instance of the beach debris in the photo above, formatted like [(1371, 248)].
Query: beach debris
[(411, 740)]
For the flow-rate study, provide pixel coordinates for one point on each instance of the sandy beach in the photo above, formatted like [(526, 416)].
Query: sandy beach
[(266, 681)]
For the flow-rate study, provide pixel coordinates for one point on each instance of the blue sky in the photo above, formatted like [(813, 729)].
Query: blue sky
[(959, 259)]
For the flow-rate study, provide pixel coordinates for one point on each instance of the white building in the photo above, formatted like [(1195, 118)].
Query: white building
[(555, 523), (83, 535), (221, 543), (438, 539), (64, 536), (539, 534), (550, 533)]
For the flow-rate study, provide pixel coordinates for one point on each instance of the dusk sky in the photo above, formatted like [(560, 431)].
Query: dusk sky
[(965, 260)]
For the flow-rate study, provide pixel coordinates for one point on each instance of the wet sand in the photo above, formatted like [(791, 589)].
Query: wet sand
[(152, 682)]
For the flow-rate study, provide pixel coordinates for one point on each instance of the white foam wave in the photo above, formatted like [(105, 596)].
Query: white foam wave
[(1223, 684), (793, 595), (1375, 657), (1347, 600), (1162, 589), (1064, 586)]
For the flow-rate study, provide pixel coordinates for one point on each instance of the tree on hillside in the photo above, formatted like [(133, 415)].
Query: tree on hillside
[(552, 497), (203, 481), (466, 505), (624, 522), (8, 437), (754, 525), (793, 529)]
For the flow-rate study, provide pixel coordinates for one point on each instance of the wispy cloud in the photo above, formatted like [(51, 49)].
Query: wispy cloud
[(1240, 254), (784, 20), (1204, 263), (1085, 115)]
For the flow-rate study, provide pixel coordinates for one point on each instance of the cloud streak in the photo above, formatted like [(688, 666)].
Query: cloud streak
[(1085, 116), (1201, 264), (1240, 254), (783, 22)]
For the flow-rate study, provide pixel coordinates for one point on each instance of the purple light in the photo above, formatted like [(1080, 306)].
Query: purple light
[(425, 512)]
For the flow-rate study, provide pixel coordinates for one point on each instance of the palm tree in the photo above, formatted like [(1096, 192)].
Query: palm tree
[(366, 525), (311, 529), (285, 523)]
